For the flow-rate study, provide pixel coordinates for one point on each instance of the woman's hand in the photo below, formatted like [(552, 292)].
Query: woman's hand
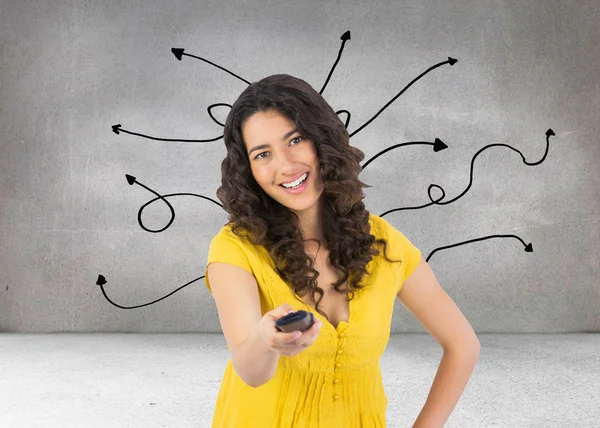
[(288, 344)]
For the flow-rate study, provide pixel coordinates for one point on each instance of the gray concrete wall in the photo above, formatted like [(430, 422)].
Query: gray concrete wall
[(69, 71)]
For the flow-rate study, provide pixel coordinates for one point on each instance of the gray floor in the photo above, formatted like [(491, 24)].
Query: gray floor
[(172, 380)]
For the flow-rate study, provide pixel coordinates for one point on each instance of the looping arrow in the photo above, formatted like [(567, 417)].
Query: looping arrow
[(132, 180), (549, 133)]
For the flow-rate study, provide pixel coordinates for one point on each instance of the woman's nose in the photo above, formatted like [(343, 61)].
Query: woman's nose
[(287, 160)]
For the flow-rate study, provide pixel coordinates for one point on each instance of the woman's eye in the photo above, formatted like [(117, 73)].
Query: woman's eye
[(260, 155)]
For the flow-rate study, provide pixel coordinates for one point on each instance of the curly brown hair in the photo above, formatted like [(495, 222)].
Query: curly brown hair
[(260, 220)]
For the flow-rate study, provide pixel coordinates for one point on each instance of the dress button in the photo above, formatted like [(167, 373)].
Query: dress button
[(342, 334), (338, 365), (336, 380), (335, 397), (339, 351)]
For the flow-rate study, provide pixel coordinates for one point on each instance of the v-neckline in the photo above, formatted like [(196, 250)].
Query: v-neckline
[(341, 325), (324, 320)]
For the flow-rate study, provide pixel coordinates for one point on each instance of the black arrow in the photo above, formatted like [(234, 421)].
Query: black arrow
[(117, 128), (101, 281), (549, 133), (450, 61), (179, 52), (528, 247), (345, 37), (438, 145), (132, 180)]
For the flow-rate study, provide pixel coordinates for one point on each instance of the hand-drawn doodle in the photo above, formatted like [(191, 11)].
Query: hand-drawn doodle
[(437, 145)]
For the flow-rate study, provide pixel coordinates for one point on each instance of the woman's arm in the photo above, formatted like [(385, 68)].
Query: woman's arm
[(423, 296)]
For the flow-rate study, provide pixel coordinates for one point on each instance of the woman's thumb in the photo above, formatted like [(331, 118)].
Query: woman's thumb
[(283, 310)]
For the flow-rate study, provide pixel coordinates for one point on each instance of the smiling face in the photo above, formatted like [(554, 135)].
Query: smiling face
[(278, 154)]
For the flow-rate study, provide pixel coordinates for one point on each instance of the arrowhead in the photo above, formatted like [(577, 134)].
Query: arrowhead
[(452, 61), (130, 178), (439, 145), (549, 132), (101, 280), (115, 128), (529, 248), (346, 35), (178, 52)]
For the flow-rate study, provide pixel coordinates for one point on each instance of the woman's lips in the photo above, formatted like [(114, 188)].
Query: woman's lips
[(300, 188), (295, 178)]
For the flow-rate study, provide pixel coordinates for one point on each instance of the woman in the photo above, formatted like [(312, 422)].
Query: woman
[(306, 245)]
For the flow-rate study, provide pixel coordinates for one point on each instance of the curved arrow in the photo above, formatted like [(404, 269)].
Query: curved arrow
[(528, 247)]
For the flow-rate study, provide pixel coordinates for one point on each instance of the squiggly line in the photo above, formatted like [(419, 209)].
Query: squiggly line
[(549, 132), (438, 145)]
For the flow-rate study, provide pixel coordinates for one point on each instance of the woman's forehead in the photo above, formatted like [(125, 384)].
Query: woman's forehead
[(267, 128)]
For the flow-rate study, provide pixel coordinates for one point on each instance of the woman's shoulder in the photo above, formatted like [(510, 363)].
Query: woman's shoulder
[(398, 241), (228, 240), (378, 226), (239, 235), (381, 228)]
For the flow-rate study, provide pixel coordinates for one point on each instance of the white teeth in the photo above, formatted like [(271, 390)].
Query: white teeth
[(296, 183)]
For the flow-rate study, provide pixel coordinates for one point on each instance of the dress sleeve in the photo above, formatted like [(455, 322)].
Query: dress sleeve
[(401, 248), (226, 247)]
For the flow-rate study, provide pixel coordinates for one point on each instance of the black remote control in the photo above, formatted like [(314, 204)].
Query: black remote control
[(295, 321)]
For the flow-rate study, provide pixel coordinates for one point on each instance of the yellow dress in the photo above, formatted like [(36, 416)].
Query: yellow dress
[(337, 381)]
